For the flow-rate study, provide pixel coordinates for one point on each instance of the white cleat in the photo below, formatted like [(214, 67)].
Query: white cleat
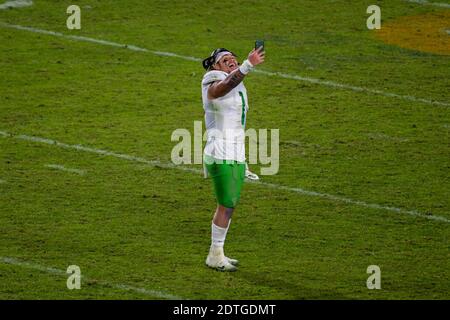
[(221, 265), (217, 260), (234, 262), (250, 175)]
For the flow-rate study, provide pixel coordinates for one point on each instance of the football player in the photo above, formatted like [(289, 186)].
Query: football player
[(225, 103)]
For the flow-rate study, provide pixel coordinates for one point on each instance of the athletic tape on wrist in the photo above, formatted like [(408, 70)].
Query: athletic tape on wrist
[(245, 67)]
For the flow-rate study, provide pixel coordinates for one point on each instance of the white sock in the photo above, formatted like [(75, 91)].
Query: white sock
[(218, 235)]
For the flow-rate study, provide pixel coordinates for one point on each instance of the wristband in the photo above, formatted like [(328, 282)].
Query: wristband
[(245, 67)]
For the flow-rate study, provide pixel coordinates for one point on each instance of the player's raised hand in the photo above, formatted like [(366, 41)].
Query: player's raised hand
[(256, 56)]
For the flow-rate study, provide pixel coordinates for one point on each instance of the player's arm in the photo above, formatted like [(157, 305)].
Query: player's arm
[(220, 88)]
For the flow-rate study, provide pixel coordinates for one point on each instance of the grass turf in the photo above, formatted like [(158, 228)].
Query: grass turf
[(129, 223)]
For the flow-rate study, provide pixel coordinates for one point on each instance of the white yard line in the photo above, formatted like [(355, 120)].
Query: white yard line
[(353, 88), (428, 3), (59, 272), (331, 84), (156, 163), (356, 202), (382, 136), (78, 147), (62, 168), (16, 4)]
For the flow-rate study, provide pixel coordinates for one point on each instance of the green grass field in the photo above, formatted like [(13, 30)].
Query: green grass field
[(377, 158)]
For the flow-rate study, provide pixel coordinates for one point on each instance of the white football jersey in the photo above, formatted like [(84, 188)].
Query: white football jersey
[(225, 119)]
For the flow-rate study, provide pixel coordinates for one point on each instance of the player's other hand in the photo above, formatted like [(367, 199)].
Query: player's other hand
[(256, 56)]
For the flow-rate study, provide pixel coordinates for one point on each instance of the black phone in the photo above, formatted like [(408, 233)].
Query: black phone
[(259, 43)]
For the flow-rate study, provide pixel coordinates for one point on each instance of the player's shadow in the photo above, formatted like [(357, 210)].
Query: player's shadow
[(292, 290)]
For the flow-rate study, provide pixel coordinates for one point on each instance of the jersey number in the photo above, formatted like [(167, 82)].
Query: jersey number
[(243, 108)]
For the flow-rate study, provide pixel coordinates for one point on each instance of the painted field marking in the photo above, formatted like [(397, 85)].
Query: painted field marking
[(62, 168), (356, 202), (156, 163), (382, 136), (16, 4), (326, 83), (333, 84), (59, 272), (428, 3)]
